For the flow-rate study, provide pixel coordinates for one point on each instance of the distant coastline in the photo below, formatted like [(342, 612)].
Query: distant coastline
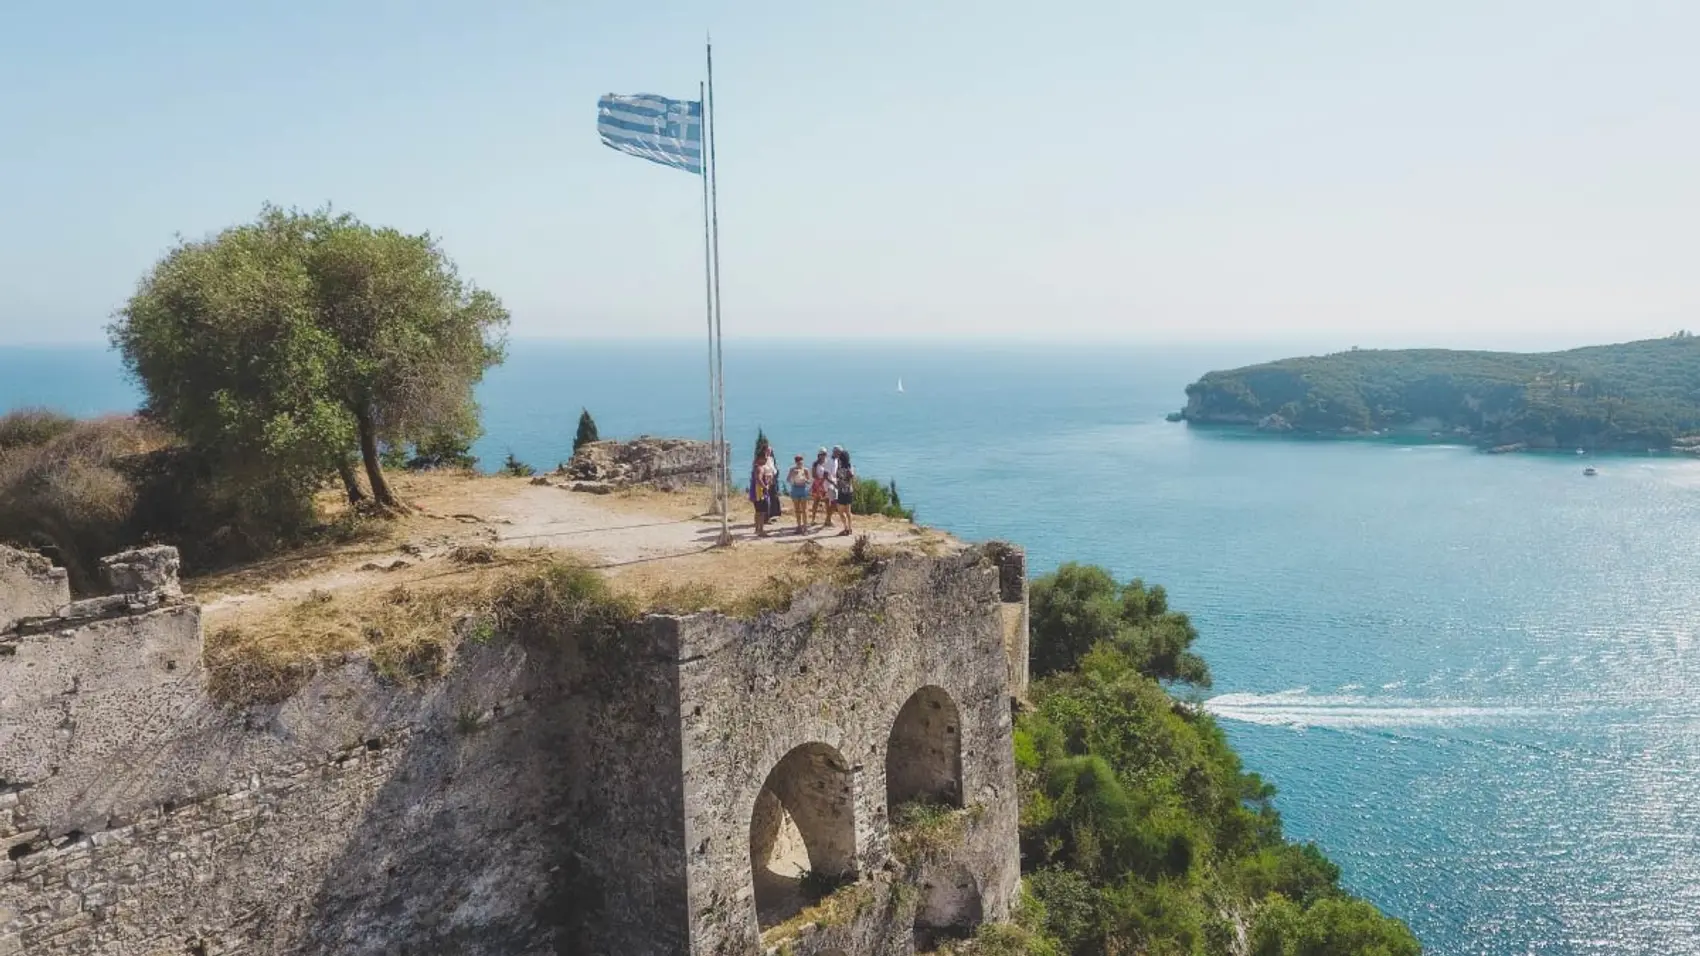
[(1634, 397)]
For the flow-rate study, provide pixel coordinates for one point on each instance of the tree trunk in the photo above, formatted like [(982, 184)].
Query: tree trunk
[(350, 481), (381, 492)]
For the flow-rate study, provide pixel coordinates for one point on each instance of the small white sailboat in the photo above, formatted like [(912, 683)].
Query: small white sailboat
[(900, 386)]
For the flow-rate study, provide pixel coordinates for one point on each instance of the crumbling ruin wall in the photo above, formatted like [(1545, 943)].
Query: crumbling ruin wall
[(813, 706), (670, 464), (30, 586), (140, 816), (573, 793)]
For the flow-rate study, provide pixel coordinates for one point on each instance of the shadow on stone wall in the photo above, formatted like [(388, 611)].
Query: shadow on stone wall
[(477, 842)]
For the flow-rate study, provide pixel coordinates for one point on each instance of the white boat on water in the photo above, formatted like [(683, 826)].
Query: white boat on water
[(1590, 472), (900, 386)]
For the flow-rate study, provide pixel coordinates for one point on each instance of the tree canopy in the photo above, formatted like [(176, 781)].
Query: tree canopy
[(292, 343), (1081, 606), (1634, 395), (1141, 832)]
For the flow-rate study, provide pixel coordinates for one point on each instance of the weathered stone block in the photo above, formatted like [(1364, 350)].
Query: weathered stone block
[(30, 586), (142, 569)]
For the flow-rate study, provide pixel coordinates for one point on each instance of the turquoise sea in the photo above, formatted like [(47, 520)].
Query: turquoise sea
[(1472, 677)]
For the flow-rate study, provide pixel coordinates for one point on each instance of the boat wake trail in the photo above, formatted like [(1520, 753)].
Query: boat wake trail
[(1299, 708)]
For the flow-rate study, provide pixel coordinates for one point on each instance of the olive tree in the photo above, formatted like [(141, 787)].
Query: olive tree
[(294, 342)]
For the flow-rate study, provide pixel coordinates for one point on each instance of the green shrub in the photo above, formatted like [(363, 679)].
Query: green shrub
[(873, 498), (1329, 927), (1078, 607), (516, 468), (442, 450)]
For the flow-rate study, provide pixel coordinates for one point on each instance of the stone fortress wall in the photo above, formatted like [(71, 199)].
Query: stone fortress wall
[(664, 788)]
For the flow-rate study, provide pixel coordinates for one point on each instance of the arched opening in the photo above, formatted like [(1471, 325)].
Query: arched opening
[(923, 757), (950, 908), (802, 832)]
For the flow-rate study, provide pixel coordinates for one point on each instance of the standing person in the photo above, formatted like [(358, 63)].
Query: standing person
[(775, 497), (846, 488), (831, 482), (820, 500), (761, 488), (798, 481)]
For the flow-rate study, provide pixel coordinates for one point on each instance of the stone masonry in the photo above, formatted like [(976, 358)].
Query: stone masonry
[(669, 786)]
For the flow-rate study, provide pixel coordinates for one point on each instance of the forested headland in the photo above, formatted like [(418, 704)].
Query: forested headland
[(1141, 831), (1632, 396)]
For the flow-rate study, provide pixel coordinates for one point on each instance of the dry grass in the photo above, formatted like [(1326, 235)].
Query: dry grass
[(403, 591), (743, 582), (60, 489), (920, 830), (834, 909), (32, 426), (408, 630)]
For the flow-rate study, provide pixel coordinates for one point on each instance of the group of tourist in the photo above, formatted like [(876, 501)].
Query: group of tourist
[(829, 486)]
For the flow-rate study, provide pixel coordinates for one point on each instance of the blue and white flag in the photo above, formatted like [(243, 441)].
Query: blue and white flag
[(652, 127)]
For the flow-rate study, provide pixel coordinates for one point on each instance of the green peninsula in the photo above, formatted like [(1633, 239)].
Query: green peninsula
[(1634, 396)]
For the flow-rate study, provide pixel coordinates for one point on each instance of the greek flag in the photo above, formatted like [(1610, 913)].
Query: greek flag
[(652, 127)]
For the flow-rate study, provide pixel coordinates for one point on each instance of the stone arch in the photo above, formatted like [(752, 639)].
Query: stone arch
[(923, 756), (950, 907), (802, 831)]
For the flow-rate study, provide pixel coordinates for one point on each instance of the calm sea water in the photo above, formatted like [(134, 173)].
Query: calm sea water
[(1473, 678)]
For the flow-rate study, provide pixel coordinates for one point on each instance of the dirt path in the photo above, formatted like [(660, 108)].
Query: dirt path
[(637, 537)]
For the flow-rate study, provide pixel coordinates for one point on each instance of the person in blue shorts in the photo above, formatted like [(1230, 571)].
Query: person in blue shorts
[(797, 483)]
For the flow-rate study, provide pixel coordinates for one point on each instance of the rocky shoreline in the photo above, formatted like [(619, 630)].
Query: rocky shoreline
[(1493, 444)]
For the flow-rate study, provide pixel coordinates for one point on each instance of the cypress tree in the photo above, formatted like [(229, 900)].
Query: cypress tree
[(586, 430)]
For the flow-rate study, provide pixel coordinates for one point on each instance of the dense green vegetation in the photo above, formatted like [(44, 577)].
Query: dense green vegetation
[(275, 357), (1140, 830), (1632, 396), (873, 498), (288, 348)]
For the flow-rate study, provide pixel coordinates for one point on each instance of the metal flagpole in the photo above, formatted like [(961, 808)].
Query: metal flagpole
[(719, 347), (714, 436)]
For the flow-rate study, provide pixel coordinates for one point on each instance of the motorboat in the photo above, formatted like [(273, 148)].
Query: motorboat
[(1590, 472)]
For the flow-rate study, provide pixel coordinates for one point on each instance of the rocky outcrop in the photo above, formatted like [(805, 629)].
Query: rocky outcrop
[(669, 464)]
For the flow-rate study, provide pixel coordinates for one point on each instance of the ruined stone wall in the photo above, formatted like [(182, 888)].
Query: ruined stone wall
[(578, 793), (30, 586), (139, 816), (808, 701), (670, 464)]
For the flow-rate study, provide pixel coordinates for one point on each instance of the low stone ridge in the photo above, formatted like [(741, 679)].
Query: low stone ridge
[(669, 464)]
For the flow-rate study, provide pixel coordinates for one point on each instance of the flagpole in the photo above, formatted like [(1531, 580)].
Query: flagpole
[(714, 436), (719, 346)]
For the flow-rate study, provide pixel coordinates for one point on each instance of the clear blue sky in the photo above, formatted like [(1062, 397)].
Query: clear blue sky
[(1452, 172)]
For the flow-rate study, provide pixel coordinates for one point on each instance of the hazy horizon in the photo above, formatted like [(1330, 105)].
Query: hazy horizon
[(1504, 174)]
